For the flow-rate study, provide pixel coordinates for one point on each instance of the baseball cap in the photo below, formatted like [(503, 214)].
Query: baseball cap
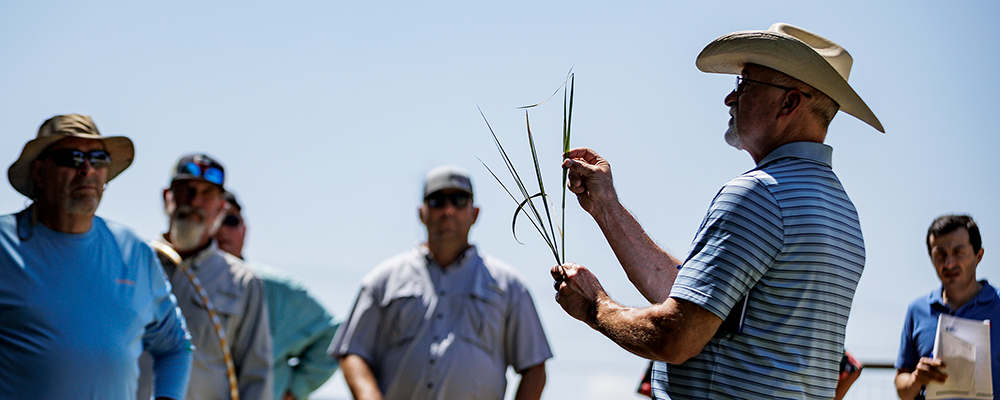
[(199, 167), (447, 177)]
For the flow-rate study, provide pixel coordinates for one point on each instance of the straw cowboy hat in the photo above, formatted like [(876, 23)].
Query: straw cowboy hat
[(58, 128), (796, 52)]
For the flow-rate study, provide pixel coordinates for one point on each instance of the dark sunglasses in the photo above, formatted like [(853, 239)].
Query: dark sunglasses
[(208, 173), (457, 199), (73, 158), (232, 221)]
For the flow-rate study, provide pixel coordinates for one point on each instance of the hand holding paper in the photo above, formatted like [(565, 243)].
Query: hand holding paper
[(964, 347)]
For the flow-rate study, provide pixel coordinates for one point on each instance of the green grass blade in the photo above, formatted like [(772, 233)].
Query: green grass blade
[(517, 179), (541, 189), (520, 208), (567, 124)]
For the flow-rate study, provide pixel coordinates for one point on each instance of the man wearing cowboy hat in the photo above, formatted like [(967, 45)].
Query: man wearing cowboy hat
[(759, 307), (214, 286), (80, 297)]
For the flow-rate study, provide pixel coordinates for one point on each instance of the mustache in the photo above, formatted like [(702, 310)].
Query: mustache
[(186, 212), (88, 180)]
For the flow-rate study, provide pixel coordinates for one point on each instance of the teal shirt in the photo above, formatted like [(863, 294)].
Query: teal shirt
[(77, 309), (301, 332)]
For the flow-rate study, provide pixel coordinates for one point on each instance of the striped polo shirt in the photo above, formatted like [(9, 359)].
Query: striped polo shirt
[(786, 236)]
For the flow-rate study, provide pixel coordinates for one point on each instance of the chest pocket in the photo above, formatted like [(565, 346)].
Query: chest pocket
[(225, 300), (402, 314), (483, 319)]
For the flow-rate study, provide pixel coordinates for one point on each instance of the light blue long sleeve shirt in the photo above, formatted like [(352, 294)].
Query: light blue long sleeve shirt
[(76, 310)]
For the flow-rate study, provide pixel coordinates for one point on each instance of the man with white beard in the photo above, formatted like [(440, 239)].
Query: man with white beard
[(759, 307), (222, 300)]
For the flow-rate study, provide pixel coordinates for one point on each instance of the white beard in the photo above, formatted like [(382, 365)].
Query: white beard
[(732, 135), (186, 234)]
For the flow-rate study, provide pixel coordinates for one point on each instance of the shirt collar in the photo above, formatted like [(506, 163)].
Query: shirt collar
[(985, 295), (812, 151), (462, 259), (213, 247)]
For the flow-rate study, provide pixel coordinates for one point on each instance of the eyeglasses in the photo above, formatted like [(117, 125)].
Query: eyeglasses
[(232, 221), (457, 199), (742, 86), (73, 158), (206, 172)]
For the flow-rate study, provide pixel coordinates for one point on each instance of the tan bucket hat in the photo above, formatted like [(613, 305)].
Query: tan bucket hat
[(60, 127), (796, 52)]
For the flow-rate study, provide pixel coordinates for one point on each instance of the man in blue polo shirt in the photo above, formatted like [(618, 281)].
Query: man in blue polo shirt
[(777, 257), (955, 248)]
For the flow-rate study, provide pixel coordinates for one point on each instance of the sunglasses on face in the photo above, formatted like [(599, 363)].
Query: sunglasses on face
[(73, 158), (208, 173), (741, 85), (439, 200), (232, 221)]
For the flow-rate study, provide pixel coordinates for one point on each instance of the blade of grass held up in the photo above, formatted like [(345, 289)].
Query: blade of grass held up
[(567, 123), (541, 189), (545, 227), (517, 179)]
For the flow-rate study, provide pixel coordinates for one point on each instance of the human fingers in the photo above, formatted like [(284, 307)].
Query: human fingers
[(583, 153), (930, 369), (557, 272), (560, 279)]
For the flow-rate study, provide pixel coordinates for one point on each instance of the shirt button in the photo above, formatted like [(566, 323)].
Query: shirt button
[(430, 385), (443, 292), (432, 362), (439, 316)]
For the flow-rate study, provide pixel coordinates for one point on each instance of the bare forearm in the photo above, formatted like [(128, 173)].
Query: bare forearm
[(906, 387), (650, 268), (532, 383), (673, 331), (360, 378)]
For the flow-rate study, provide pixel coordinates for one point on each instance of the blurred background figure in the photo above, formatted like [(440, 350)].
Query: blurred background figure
[(222, 299), (439, 321), (955, 248), (80, 296), (301, 329)]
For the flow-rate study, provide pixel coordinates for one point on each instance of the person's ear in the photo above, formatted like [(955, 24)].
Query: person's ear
[(791, 103)]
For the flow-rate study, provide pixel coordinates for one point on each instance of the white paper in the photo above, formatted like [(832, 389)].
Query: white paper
[(964, 346)]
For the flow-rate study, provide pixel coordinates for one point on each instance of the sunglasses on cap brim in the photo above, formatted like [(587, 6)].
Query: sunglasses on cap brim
[(208, 173)]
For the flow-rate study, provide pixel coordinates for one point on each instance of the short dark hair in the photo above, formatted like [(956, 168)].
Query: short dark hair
[(946, 224)]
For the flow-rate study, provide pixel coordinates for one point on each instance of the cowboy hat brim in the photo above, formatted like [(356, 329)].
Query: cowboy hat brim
[(730, 53), (120, 148)]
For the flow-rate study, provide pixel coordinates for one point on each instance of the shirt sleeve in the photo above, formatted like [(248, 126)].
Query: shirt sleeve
[(909, 355), (166, 338), (313, 330), (525, 341), (740, 237), (357, 334), (251, 347)]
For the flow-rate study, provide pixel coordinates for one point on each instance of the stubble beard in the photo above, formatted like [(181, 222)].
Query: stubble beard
[(81, 204), (732, 134)]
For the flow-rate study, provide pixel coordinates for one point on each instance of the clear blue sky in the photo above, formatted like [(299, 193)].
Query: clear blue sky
[(327, 115)]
